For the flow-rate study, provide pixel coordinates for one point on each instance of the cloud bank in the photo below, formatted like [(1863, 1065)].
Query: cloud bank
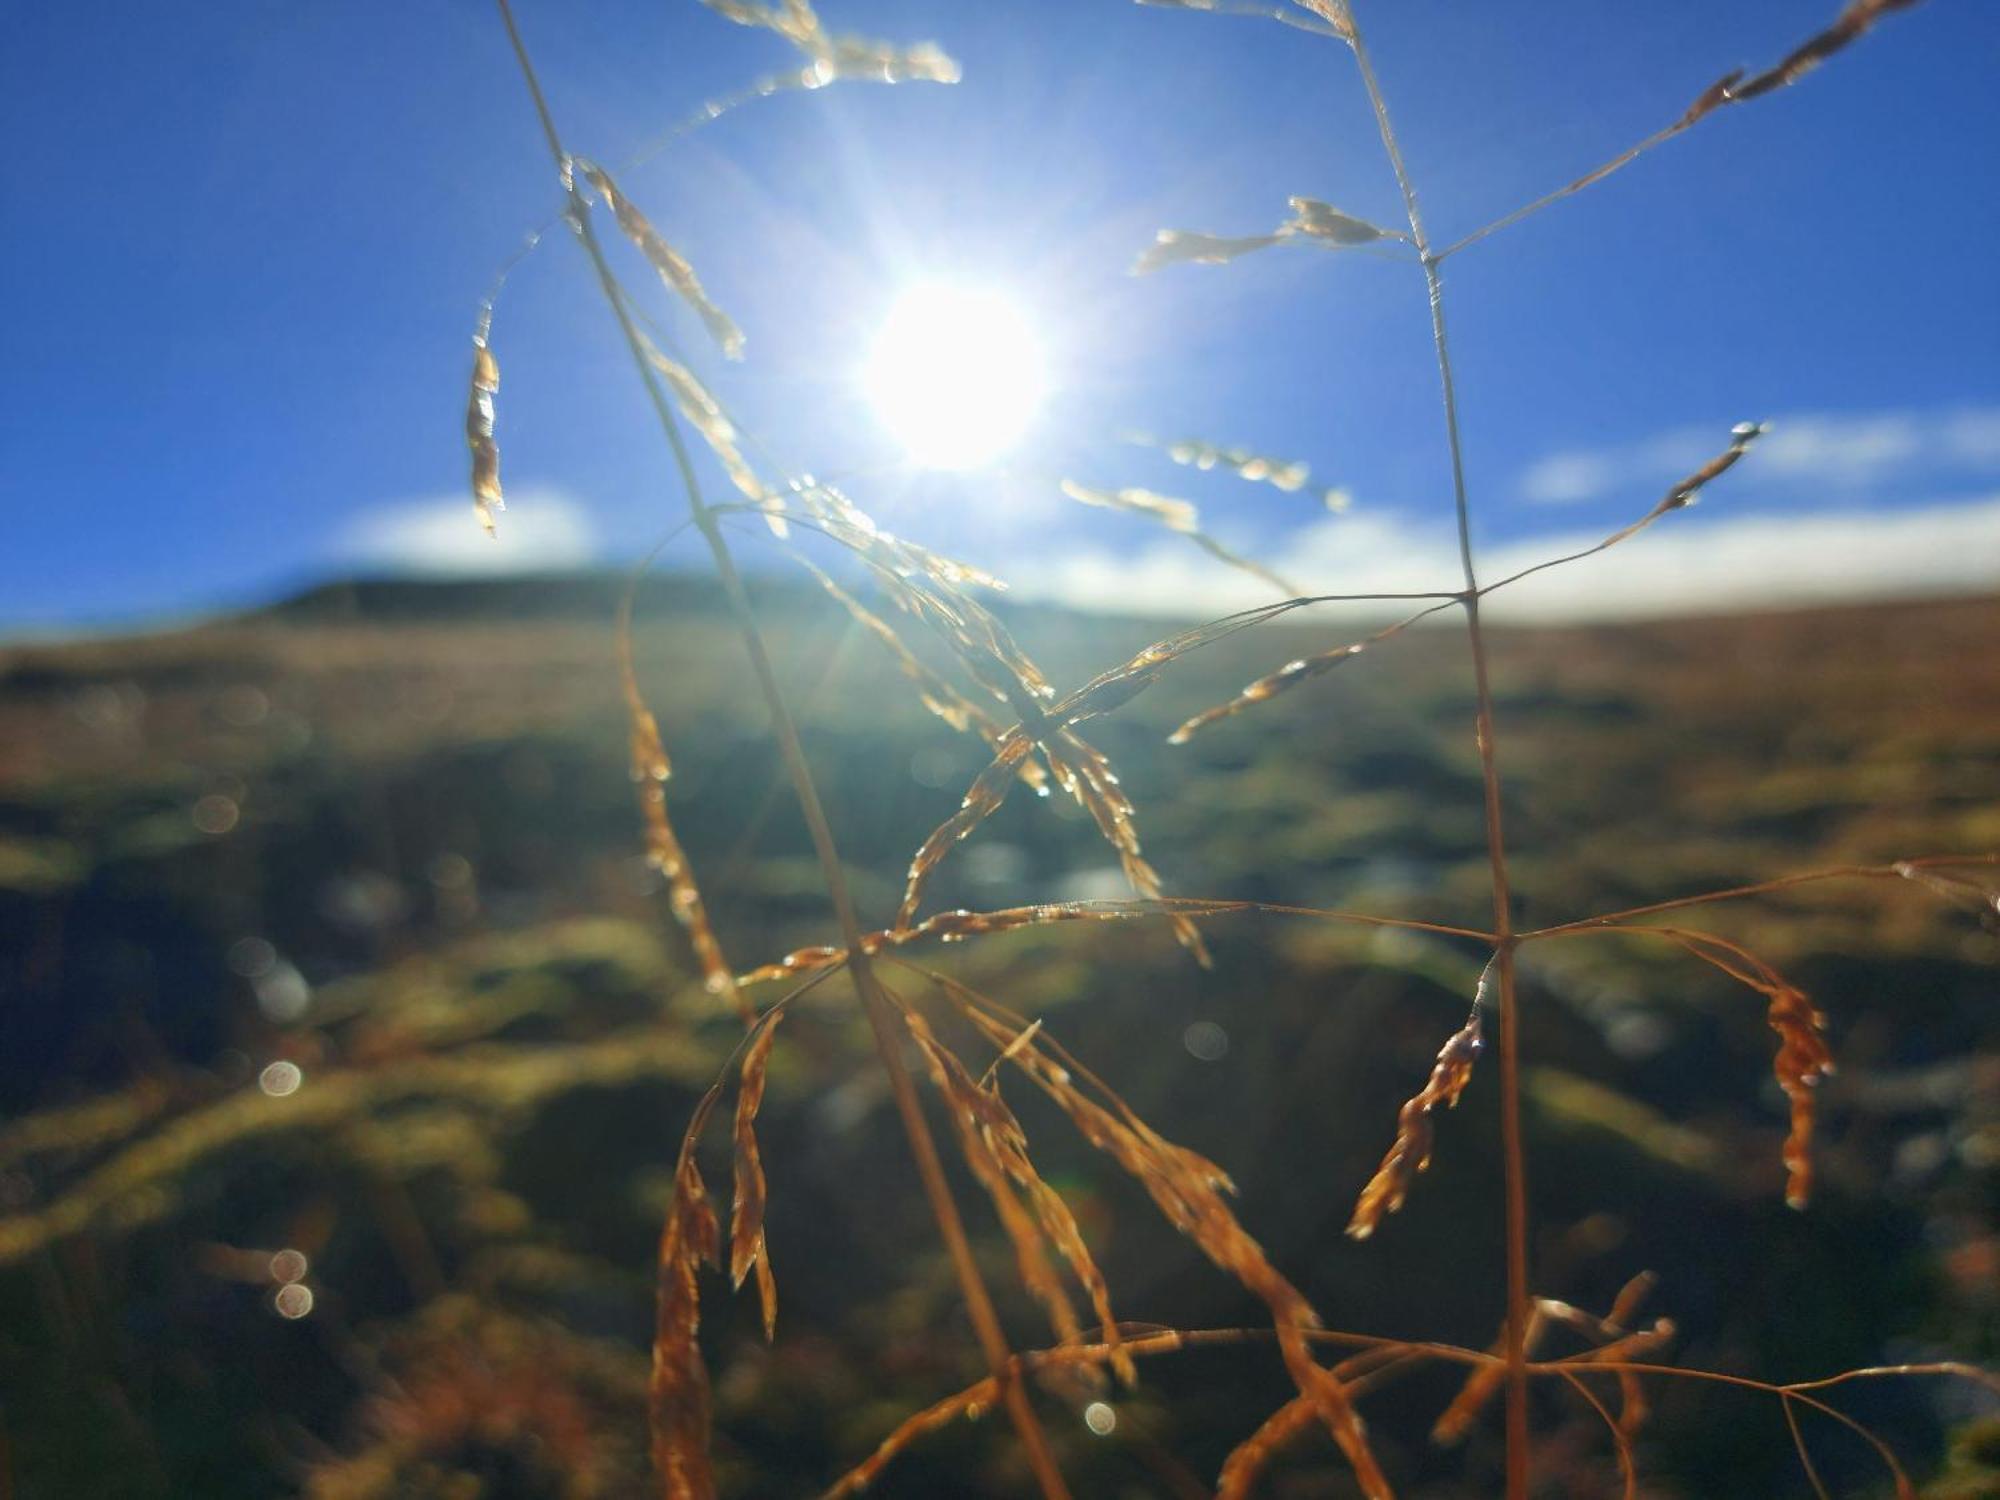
[(1851, 451), (539, 531), (1693, 561)]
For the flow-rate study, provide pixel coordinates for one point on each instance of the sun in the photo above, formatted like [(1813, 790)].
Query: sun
[(955, 374)]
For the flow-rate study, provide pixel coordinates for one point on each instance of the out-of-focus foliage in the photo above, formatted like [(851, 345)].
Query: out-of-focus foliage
[(385, 837)]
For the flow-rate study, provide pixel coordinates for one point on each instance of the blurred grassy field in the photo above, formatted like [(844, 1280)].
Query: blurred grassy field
[(386, 834)]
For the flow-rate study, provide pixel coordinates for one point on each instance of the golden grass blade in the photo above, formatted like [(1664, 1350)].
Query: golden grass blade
[(1411, 1152), (967, 1402), (1484, 1383), (1175, 515), (936, 694), (1289, 475), (840, 57), (1173, 247), (861, 60), (995, 1149), (747, 1246), (672, 266), (956, 926), (650, 773), (1333, 13), (1858, 17), (1283, 15), (1184, 1187), (678, 1392), (1799, 1446), (705, 414), (1249, 1459), (982, 799), (1322, 221), (934, 589), (1957, 889), (1290, 675), (486, 496), (1311, 219), (1628, 1468), (1682, 495), (1632, 1405), (1803, 1057), (1905, 1489)]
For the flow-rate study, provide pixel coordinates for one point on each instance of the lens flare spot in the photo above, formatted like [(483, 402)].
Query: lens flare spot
[(288, 1266)]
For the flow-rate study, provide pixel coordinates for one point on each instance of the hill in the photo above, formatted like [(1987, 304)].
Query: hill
[(384, 833)]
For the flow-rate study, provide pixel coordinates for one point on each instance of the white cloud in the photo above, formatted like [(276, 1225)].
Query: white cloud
[(1690, 562), (539, 531), (1852, 449)]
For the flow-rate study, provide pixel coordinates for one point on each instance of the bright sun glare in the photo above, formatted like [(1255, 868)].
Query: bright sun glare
[(955, 374)]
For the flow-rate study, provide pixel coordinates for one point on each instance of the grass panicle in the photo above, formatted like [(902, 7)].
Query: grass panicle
[(1415, 1134)]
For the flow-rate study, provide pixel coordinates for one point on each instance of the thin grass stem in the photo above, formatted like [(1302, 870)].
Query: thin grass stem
[(1517, 1460)]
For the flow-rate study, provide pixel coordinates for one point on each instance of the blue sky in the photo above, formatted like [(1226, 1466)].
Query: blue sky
[(246, 242)]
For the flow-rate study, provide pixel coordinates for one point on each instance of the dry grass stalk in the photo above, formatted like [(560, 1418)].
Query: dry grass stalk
[(1290, 675), (678, 1391), (1175, 515), (1855, 19), (486, 497), (650, 772), (839, 57), (706, 416), (933, 690), (1284, 15), (1184, 1185), (1621, 1441), (1415, 1134), (747, 1246), (1305, 668), (1803, 1057), (970, 1402), (1959, 890), (959, 925), (1248, 1460), (1289, 475), (678, 1395), (1615, 1343), (1312, 220), (1480, 1387), (996, 1150), (1679, 497), (672, 266)]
